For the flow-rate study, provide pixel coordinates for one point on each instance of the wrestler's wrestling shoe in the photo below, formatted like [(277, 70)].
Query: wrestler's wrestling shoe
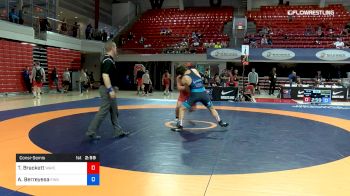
[(222, 123), (178, 128)]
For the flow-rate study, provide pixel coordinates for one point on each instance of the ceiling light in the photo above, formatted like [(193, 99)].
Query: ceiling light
[(76, 17)]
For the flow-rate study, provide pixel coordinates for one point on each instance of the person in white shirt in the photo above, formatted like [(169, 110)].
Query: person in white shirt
[(339, 43), (146, 82)]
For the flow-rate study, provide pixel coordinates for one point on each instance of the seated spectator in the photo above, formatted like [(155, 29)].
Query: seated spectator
[(168, 32), (317, 42), (13, 16), (252, 41), (269, 40), (285, 37), (199, 35), (211, 44), (130, 36), (339, 43), (142, 40), (263, 40), (246, 39), (224, 44), (345, 32), (163, 31), (299, 82), (217, 45)]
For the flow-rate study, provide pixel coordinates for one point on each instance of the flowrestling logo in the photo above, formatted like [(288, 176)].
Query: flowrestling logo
[(310, 12), (225, 54), (333, 55), (278, 54)]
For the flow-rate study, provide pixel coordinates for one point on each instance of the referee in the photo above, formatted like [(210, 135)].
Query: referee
[(108, 95)]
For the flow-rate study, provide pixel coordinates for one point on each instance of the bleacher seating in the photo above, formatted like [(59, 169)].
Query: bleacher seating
[(208, 21), (14, 57), (276, 18)]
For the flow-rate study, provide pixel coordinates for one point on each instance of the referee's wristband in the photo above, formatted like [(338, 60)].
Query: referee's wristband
[(110, 89)]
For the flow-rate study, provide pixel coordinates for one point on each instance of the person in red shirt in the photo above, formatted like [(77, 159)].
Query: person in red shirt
[(166, 82)]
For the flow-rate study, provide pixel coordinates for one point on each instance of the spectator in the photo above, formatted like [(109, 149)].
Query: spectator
[(272, 81), (88, 31), (130, 36), (37, 79), (54, 78), (84, 81), (163, 31), (269, 40), (142, 40), (13, 17), (217, 45), (217, 80), (318, 78), (75, 29), (26, 78), (339, 43), (299, 82), (45, 25), (263, 40), (292, 78), (147, 82), (64, 28), (224, 78), (104, 36), (66, 80), (253, 78)]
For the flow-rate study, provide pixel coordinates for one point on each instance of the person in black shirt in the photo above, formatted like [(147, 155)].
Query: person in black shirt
[(272, 81), (108, 95)]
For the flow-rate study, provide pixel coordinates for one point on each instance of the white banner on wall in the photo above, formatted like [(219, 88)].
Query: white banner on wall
[(310, 12)]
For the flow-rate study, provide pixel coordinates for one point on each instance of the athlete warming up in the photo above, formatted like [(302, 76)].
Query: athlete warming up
[(193, 84)]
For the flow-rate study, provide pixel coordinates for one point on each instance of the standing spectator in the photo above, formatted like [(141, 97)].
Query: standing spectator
[(318, 78), (253, 79), (84, 81), (66, 80), (64, 29), (217, 80), (75, 29), (38, 77), (26, 78), (166, 82), (292, 78), (147, 82), (104, 36), (139, 82), (88, 31), (54, 77), (272, 81), (224, 77)]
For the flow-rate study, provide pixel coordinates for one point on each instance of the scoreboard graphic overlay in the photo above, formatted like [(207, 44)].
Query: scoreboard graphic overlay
[(57, 169)]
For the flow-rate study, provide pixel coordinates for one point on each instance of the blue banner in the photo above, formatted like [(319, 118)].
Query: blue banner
[(281, 54)]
